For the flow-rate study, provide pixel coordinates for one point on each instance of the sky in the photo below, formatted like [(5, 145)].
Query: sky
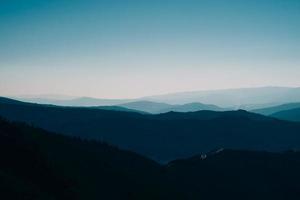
[(128, 49)]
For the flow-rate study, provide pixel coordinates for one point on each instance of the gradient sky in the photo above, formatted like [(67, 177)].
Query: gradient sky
[(125, 49)]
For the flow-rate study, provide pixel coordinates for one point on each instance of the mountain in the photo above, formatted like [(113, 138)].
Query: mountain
[(114, 104), (114, 108), (233, 98), (156, 108), (162, 137), (36, 164), (274, 109), (291, 115), (79, 102)]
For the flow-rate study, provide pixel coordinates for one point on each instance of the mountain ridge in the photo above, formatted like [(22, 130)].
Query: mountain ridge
[(290, 115), (275, 109), (157, 108), (228, 98)]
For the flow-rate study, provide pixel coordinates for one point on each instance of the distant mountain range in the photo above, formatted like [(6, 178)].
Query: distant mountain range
[(155, 108), (275, 109), (115, 108), (243, 98), (290, 111), (36, 164), (162, 137), (133, 106)]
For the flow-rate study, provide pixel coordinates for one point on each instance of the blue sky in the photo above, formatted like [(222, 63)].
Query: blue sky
[(124, 49)]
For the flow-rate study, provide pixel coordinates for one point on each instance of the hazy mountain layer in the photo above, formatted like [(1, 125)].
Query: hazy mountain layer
[(146, 106), (155, 108), (274, 109), (291, 115), (234, 98), (81, 101), (242, 98), (166, 136)]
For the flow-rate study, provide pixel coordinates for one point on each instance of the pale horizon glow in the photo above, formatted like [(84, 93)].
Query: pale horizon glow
[(131, 49)]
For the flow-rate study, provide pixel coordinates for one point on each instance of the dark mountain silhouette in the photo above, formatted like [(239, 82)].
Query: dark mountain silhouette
[(166, 136), (275, 109), (36, 164), (291, 115)]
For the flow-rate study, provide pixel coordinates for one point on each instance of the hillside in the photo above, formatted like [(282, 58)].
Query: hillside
[(275, 109), (36, 164), (291, 115)]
